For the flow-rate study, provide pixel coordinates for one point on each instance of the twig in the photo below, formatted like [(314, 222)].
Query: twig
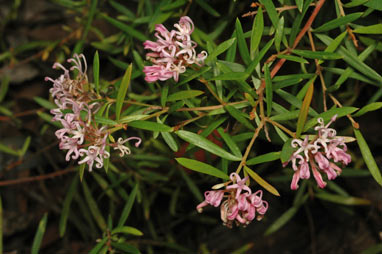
[(279, 9), (36, 178)]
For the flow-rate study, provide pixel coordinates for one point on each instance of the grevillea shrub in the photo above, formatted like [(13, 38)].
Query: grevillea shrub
[(246, 104)]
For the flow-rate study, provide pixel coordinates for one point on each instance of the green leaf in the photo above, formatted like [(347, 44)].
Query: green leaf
[(191, 185), (194, 76), (97, 215), (257, 32), (122, 9), (264, 158), (261, 181), (8, 150), (343, 200), (373, 29), (268, 89), (293, 58), (105, 121), (182, 95), (174, 5), (202, 167), (222, 47), (97, 248), (374, 4), (285, 217), (297, 22), (370, 107), (131, 118), (300, 4), (368, 157), (251, 67), (340, 112), (150, 126), (293, 100), (81, 170), (66, 206), (279, 33), (352, 59), (126, 248), (44, 103), (205, 144), (242, 44), (125, 28), (163, 98), (4, 87), (96, 71), (207, 8), (127, 208), (355, 3), (271, 11), (122, 91), (317, 54), (286, 151), (230, 143), (231, 76), (39, 234), (238, 115), (170, 141), (127, 230), (305, 108), (338, 22)]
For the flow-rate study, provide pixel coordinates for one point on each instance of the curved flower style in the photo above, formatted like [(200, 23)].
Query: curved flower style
[(80, 135), (318, 153), (241, 204), (172, 52)]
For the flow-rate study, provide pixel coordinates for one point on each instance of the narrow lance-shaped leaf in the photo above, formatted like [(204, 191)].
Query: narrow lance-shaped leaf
[(257, 32), (279, 33), (243, 49), (66, 207), (205, 144), (264, 158), (127, 208), (122, 91), (39, 235), (96, 71), (181, 95), (338, 22), (271, 11), (93, 207), (317, 54), (368, 157), (202, 167), (222, 47), (286, 151), (304, 109), (340, 112), (150, 126), (261, 181), (370, 107), (268, 89), (238, 115), (342, 199), (285, 217), (230, 143)]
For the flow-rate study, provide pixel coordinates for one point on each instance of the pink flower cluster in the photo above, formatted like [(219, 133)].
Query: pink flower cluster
[(172, 52), (317, 153), (241, 204), (81, 135)]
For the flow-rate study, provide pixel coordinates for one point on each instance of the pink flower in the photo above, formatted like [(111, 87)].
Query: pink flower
[(80, 134), (239, 207), (172, 52), (324, 147)]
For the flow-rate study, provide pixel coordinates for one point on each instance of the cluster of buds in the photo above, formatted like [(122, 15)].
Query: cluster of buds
[(241, 205), (321, 153), (172, 52), (81, 135)]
